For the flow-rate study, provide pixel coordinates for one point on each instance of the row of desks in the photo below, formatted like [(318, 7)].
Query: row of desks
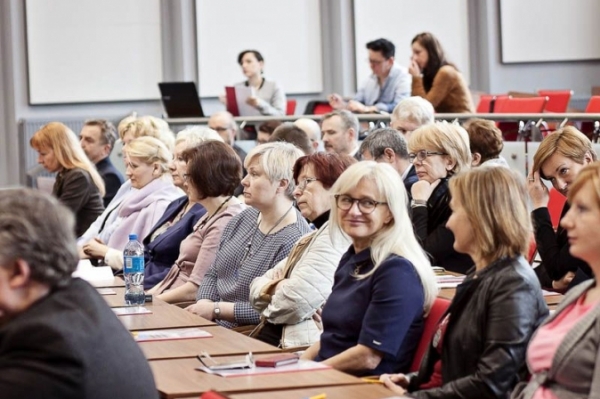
[(173, 362)]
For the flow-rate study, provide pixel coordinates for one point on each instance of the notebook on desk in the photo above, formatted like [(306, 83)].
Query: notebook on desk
[(181, 100)]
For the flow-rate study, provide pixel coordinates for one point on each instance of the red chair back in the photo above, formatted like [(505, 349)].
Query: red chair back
[(439, 307), (527, 105), (290, 107), (485, 104), (322, 109), (555, 206), (593, 106), (532, 249), (558, 100)]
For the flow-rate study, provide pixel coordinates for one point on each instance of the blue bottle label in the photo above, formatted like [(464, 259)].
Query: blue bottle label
[(133, 264)]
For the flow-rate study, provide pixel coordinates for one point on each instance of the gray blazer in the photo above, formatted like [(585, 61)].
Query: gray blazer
[(575, 369)]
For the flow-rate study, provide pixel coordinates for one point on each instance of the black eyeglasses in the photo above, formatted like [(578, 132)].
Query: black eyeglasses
[(365, 205), (422, 155), (302, 185)]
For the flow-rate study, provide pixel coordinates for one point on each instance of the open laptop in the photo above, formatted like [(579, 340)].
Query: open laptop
[(180, 99)]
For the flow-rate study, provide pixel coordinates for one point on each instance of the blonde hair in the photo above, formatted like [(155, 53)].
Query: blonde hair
[(67, 150), (147, 126), (568, 142), (150, 151), (450, 139), (397, 237), (496, 202), (277, 159), (588, 174), (195, 135)]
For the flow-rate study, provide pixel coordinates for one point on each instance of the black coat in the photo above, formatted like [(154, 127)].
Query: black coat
[(491, 320), (70, 345), (112, 179), (430, 228)]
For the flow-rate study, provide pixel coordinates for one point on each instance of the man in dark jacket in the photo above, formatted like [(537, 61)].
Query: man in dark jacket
[(97, 138), (58, 337)]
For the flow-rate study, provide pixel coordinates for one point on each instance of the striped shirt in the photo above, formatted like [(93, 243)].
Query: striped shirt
[(246, 253)]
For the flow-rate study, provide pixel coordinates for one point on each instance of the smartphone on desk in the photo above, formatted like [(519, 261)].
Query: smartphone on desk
[(278, 360)]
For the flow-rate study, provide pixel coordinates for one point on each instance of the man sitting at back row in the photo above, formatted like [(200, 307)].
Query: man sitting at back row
[(388, 85), (58, 337)]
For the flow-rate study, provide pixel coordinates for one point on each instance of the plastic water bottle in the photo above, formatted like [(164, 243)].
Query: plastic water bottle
[(133, 270)]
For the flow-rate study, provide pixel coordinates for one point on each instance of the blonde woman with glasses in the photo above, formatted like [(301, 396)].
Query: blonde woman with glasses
[(384, 284)]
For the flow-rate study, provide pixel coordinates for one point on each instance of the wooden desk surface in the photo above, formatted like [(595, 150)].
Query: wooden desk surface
[(164, 316), (364, 391), (178, 378), (223, 342), (115, 282)]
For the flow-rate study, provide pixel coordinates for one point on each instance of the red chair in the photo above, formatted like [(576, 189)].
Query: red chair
[(532, 249), (555, 206), (558, 100), (290, 108), (485, 104), (318, 107), (593, 107), (439, 307), (519, 105)]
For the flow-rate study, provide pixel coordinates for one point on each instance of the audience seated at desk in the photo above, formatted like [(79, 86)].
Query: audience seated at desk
[(213, 171), (97, 138), (162, 244), (436, 79), (290, 133), (439, 151), (312, 130), (563, 354), (147, 161), (485, 141), (410, 114), (288, 295), (388, 84), (559, 159), (265, 130), (256, 239), (58, 337), (384, 284), (478, 350), (78, 184)]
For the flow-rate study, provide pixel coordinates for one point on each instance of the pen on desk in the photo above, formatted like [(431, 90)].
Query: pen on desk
[(372, 380), (319, 396)]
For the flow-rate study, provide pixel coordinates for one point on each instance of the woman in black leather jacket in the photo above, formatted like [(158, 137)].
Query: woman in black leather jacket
[(478, 350), (438, 151)]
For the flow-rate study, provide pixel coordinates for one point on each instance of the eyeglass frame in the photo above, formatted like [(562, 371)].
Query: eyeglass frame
[(358, 203), (304, 183), (415, 155)]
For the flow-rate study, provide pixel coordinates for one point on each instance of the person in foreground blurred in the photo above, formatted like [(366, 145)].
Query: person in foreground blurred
[(559, 159), (289, 294), (256, 239), (563, 354), (438, 152), (58, 337), (78, 184), (213, 171), (384, 284), (478, 350)]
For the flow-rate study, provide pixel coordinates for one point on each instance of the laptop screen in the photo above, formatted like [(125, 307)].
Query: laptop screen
[(180, 99)]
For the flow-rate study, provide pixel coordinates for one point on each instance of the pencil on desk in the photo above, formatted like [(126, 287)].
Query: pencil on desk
[(319, 396), (372, 380)]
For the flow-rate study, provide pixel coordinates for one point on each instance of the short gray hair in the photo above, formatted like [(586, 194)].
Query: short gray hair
[(277, 160), (415, 110), (36, 228), (194, 135), (379, 139), (349, 120)]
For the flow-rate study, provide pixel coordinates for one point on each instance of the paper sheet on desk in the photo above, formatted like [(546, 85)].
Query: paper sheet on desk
[(171, 333), (132, 310), (236, 101), (448, 281), (90, 273), (302, 365)]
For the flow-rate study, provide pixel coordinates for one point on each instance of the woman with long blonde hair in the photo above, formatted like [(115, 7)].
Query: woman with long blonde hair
[(78, 184)]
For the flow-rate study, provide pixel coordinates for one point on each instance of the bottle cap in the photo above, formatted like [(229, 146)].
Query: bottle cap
[(132, 237)]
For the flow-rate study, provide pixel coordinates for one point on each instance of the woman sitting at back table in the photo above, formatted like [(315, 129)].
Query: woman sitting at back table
[(563, 355), (268, 98), (437, 80), (161, 245), (384, 284), (78, 184), (255, 240), (289, 294), (438, 151), (147, 162), (478, 350), (213, 173), (559, 158)]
